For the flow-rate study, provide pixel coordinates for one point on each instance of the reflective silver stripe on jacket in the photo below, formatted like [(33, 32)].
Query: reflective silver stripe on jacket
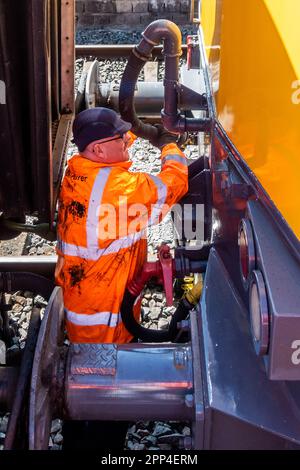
[(94, 319), (92, 250), (161, 197), (94, 202), (177, 158), (94, 254)]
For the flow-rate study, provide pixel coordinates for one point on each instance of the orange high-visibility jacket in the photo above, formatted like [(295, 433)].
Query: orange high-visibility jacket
[(103, 214)]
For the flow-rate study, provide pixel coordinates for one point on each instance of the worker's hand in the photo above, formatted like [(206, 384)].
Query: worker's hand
[(164, 137)]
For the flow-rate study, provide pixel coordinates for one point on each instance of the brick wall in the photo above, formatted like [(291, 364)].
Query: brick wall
[(130, 12)]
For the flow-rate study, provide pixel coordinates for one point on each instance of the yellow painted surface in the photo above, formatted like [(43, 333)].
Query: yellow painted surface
[(256, 76)]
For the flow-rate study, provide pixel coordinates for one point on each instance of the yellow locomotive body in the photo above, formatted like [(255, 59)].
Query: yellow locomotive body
[(252, 49)]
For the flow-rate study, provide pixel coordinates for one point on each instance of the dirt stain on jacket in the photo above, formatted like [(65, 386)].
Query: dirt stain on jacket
[(76, 273), (77, 209)]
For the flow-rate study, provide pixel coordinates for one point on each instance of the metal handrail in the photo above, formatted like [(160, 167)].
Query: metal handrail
[(194, 19)]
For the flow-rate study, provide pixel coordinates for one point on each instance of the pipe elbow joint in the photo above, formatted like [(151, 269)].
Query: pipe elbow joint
[(174, 122), (180, 124), (162, 30)]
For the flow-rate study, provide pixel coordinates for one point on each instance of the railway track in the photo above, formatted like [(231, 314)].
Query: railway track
[(115, 50)]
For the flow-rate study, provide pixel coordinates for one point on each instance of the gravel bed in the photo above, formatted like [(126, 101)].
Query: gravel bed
[(157, 435), (21, 305), (13, 247), (94, 35)]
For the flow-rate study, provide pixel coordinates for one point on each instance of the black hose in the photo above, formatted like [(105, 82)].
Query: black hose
[(138, 331), (146, 334), (181, 312), (126, 100)]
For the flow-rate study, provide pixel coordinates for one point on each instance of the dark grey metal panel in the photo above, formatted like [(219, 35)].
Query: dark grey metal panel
[(230, 433), (281, 273), (236, 381)]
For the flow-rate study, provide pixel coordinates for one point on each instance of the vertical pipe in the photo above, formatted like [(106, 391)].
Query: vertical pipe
[(170, 81)]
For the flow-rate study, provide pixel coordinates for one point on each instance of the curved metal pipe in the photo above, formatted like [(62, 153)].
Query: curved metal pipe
[(169, 33), (126, 106), (149, 335), (157, 31)]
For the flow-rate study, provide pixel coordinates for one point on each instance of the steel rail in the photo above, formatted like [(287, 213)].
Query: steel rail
[(114, 50), (41, 265)]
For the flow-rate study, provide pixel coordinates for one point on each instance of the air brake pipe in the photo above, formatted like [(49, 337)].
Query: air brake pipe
[(149, 98), (158, 270), (149, 335), (157, 31)]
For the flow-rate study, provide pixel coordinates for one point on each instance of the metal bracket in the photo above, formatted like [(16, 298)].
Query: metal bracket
[(190, 99), (194, 19), (240, 191), (230, 189)]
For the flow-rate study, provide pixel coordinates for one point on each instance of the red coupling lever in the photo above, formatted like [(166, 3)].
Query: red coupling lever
[(163, 270), (166, 263)]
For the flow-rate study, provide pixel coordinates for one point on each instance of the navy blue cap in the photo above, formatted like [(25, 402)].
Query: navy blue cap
[(96, 124)]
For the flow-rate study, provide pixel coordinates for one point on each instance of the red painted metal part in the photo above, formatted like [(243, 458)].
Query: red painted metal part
[(162, 270), (189, 41), (166, 263)]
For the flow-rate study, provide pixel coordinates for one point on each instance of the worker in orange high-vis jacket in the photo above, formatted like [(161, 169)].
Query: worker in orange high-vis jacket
[(104, 211)]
